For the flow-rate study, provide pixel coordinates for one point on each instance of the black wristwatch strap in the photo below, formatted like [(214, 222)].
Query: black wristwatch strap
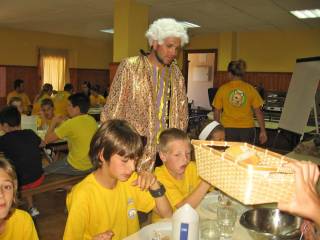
[(158, 192)]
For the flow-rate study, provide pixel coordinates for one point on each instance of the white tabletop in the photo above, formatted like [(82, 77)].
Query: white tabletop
[(204, 211)]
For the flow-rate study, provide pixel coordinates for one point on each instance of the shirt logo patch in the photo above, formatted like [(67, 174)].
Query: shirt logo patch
[(132, 213), (130, 201), (237, 98)]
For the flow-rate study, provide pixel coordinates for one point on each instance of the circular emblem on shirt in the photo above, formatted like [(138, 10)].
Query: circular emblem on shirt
[(237, 98), (132, 213)]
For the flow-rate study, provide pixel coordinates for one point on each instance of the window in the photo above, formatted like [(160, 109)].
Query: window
[(54, 68)]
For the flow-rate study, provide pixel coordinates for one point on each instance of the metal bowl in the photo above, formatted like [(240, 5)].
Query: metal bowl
[(270, 223)]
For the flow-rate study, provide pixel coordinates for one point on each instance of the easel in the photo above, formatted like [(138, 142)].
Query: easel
[(301, 97)]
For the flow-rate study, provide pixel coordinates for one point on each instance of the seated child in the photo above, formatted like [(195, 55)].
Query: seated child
[(22, 147), (177, 174), (60, 100), (214, 131), (46, 113), (96, 100), (14, 223), (78, 131), (46, 92), (104, 205)]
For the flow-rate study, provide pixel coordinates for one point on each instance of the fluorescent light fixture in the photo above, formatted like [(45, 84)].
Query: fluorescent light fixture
[(308, 13), (184, 23), (110, 30), (189, 24)]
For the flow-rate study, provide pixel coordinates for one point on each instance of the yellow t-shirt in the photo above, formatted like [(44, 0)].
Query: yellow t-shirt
[(237, 98), (97, 100), (60, 101), (24, 98), (94, 209), (78, 131), (43, 123), (177, 190), (37, 105), (19, 226)]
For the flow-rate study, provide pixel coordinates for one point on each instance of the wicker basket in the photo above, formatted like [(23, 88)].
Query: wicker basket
[(266, 182)]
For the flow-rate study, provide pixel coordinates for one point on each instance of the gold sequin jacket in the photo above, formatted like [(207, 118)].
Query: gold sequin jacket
[(132, 98)]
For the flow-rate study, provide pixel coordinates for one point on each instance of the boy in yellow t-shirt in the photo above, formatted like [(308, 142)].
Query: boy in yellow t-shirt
[(96, 100), (60, 100), (14, 223), (78, 131), (46, 113), (178, 174), (19, 92), (105, 204)]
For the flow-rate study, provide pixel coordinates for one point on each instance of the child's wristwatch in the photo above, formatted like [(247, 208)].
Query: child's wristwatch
[(158, 192)]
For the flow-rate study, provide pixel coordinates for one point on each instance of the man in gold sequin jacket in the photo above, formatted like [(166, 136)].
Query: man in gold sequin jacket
[(149, 90)]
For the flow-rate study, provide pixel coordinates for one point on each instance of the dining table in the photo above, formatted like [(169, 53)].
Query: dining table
[(207, 211)]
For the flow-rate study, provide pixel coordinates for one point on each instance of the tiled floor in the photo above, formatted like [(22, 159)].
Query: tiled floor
[(51, 221)]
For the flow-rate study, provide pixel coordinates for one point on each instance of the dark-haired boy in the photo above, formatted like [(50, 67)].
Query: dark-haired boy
[(22, 148), (78, 131), (104, 205)]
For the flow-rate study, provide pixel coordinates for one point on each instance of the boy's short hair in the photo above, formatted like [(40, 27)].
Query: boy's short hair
[(68, 87), (80, 100), (115, 137), (47, 102), (169, 135), (11, 116), (17, 83), (8, 168), (14, 99)]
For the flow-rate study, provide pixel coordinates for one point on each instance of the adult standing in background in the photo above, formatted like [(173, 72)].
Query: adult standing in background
[(234, 105), (19, 92), (149, 90)]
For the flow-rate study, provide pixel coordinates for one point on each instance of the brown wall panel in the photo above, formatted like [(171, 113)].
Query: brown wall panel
[(94, 76), (28, 74), (271, 81), (113, 69), (32, 80)]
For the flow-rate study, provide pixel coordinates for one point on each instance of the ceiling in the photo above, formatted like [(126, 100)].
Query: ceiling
[(86, 17)]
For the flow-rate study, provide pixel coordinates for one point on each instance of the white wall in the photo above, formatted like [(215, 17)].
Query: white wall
[(200, 78)]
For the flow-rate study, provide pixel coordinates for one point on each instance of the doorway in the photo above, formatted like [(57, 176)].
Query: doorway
[(199, 68)]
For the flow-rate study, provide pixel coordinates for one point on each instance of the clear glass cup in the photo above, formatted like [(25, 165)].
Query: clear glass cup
[(226, 218), (209, 230)]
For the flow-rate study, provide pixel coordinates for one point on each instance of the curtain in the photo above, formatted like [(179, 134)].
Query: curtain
[(53, 66)]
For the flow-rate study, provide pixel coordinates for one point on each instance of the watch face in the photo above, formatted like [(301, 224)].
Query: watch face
[(159, 192)]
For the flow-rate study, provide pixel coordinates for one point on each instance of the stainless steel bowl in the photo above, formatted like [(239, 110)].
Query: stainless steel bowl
[(270, 223)]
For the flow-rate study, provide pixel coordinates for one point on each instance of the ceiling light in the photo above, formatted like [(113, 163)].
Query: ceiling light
[(110, 30), (189, 24), (311, 13)]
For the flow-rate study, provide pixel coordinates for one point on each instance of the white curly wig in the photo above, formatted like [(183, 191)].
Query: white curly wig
[(166, 27)]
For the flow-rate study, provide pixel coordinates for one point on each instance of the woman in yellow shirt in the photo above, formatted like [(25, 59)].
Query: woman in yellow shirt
[(14, 223)]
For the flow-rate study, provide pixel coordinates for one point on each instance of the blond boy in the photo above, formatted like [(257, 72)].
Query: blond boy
[(177, 174)]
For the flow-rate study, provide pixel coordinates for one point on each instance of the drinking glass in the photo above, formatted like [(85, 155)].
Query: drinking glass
[(226, 216), (209, 230)]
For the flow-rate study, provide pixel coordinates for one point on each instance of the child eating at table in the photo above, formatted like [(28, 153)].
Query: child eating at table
[(178, 174), (214, 131), (104, 205), (78, 131), (22, 147), (14, 223), (46, 113)]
